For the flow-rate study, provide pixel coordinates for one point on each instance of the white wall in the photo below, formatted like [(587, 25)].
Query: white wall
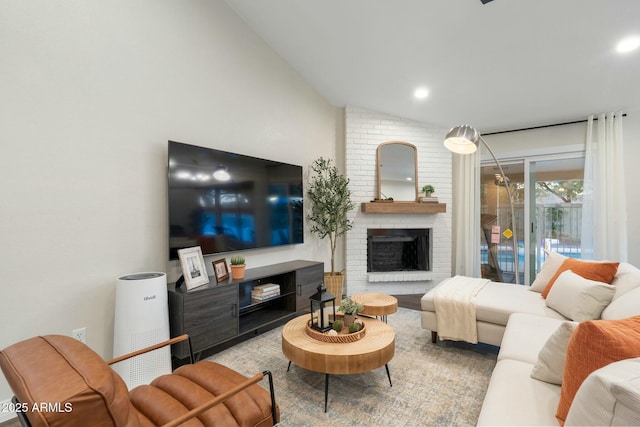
[(554, 138), (91, 92)]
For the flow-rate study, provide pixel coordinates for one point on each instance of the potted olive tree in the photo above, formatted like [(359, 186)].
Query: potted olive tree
[(330, 200)]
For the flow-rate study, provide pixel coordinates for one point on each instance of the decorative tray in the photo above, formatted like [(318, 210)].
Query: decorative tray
[(343, 336)]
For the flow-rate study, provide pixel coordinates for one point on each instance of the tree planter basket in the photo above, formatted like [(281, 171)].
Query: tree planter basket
[(333, 283)]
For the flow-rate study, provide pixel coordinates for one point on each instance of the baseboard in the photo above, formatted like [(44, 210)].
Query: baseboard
[(5, 414)]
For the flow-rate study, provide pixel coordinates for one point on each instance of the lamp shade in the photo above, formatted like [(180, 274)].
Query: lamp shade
[(462, 139)]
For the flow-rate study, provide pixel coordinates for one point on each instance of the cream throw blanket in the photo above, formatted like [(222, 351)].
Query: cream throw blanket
[(455, 305)]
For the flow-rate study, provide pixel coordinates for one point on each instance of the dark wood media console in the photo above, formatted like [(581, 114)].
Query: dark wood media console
[(218, 315)]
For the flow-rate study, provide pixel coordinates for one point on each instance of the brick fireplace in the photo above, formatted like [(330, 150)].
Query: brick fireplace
[(365, 130)]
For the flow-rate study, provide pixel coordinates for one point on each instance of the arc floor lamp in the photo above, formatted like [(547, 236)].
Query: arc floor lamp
[(465, 140)]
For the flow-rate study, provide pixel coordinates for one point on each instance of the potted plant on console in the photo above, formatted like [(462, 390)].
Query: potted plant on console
[(237, 267), (330, 198)]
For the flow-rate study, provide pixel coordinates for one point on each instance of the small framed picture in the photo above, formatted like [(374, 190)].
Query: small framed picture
[(193, 268), (220, 270)]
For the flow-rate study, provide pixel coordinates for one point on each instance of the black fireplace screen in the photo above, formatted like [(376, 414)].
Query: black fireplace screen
[(398, 249)]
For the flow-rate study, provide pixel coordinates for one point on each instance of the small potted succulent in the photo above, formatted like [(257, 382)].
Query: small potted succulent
[(428, 190), (237, 267), (350, 308)]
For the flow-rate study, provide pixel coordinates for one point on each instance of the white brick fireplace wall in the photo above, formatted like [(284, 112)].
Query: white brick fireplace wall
[(365, 130)]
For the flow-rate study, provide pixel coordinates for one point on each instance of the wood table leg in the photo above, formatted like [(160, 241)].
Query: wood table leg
[(434, 337)]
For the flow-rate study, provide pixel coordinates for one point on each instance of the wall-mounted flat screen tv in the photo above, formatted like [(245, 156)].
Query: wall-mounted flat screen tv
[(224, 201)]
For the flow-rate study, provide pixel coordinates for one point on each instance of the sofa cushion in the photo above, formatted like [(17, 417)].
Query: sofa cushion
[(621, 308), (514, 398), (609, 396), (578, 298), (598, 271), (525, 335), (594, 344), (498, 301), (550, 364), (552, 263), (627, 279)]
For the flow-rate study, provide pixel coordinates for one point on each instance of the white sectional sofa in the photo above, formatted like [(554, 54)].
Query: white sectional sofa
[(520, 321), (494, 304)]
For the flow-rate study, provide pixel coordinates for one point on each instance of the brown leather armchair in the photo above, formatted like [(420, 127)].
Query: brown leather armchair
[(59, 381)]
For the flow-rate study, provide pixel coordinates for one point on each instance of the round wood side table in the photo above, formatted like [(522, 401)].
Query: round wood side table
[(377, 305)]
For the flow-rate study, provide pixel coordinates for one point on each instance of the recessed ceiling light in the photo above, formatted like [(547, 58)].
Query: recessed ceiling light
[(421, 93), (221, 173), (628, 44)]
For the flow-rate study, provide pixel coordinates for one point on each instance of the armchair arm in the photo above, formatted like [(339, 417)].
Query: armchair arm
[(151, 348)]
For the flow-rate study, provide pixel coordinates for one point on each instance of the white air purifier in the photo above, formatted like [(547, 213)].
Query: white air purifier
[(141, 320)]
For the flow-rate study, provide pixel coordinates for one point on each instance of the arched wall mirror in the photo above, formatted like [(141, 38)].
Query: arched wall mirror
[(397, 171)]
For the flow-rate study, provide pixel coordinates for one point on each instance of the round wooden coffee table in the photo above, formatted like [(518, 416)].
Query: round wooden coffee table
[(377, 304), (372, 351)]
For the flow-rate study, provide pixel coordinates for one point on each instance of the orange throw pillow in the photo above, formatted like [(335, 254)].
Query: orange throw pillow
[(598, 271), (593, 345)]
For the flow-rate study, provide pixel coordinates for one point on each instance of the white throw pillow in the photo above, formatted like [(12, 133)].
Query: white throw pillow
[(609, 396), (550, 365), (552, 263), (627, 279), (621, 308), (578, 298)]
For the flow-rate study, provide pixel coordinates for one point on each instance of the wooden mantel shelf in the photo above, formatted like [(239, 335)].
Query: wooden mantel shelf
[(404, 207)]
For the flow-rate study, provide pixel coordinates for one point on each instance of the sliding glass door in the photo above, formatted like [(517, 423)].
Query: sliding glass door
[(547, 197), (555, 211)]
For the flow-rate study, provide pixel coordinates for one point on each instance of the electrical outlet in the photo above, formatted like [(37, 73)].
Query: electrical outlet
[(80, 334)]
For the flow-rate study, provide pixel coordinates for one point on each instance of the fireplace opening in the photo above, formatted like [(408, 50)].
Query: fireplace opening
[(398, 249)]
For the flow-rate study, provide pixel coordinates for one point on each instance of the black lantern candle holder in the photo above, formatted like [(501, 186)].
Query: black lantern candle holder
[(323, 309)]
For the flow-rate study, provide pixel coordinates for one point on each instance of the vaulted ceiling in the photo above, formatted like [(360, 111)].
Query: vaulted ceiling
[(502, 65)]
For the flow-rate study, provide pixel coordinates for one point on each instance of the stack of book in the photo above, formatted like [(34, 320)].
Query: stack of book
[(430, 199), (264, 292)]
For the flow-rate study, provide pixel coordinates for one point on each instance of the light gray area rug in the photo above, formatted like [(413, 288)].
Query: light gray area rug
[(433, 384)]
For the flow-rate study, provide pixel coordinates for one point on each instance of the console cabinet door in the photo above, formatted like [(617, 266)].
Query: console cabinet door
[(211, 317), (307, 281)]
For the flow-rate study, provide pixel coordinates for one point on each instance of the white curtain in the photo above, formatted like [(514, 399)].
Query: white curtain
[(604, 210), (466, 214)]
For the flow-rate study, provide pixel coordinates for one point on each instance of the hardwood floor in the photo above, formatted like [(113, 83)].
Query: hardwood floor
[(411, 301)]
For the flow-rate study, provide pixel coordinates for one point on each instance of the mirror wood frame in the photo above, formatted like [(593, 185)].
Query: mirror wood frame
[(379, 163)]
